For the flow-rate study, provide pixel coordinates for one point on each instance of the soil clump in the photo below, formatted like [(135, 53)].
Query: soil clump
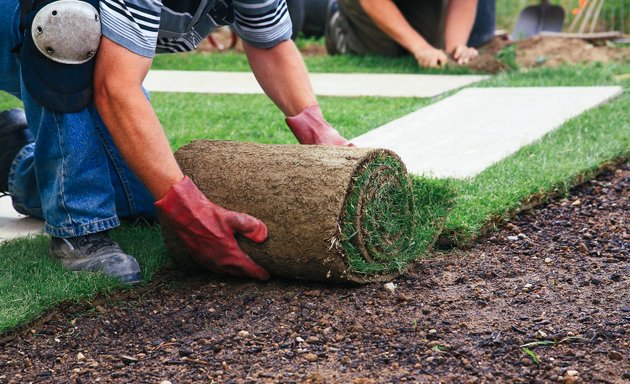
[(538, 51), (557, 275)]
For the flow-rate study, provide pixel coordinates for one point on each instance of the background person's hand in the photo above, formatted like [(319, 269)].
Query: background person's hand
[(208, 230), (430, 57), (463, 54)]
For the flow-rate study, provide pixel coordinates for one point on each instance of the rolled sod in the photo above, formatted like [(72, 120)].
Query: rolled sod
[(333, 213)]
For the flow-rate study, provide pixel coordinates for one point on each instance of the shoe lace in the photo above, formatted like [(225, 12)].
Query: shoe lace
[(95, 242)]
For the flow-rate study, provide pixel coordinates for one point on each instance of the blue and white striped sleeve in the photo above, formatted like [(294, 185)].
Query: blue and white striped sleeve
[(263, 24), (133, 24)]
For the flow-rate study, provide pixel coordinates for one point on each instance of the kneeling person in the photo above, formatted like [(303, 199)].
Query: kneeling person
[(89, 149)]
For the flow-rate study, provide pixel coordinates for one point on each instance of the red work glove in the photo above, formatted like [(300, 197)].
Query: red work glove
[(310, 127), (208, 230)]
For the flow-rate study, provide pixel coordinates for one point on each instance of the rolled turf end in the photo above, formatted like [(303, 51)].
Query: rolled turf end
[(334, 214)]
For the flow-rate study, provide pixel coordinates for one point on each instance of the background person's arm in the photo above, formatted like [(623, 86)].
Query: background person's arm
[(390, 20), (460, 18)]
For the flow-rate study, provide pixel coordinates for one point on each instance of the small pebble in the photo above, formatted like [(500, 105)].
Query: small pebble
[(311, 357), (548, 260), (512, 238), (432, 331), (299, 339), (80, 356), (243, 334), (165, 382), (128, 359), (572, 372), (391, 287), (614, 355)]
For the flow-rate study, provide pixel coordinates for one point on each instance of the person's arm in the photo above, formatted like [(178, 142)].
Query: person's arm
[(460, 18), (390, 20), (282, 74), (130, 118), (207, 229)]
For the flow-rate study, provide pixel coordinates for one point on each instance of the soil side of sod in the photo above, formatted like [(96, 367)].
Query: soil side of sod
[(545, 299)]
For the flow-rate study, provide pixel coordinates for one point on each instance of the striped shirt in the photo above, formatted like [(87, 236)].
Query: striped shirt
[(147, 27)]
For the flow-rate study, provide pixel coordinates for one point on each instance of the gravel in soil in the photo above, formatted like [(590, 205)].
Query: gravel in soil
[(556, 276)]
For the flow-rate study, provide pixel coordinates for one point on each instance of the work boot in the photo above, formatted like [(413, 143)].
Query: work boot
[(14, 135), (95, 252)]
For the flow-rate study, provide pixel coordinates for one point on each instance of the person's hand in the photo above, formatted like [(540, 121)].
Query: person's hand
[(463, 54), (208, 230), (310, 127), (429, 57)]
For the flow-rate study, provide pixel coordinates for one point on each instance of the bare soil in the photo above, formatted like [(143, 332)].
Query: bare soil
[(558, 274), (541, 51)]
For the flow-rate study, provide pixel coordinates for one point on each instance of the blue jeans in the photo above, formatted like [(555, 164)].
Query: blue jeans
[(72, 176), (485, 23)]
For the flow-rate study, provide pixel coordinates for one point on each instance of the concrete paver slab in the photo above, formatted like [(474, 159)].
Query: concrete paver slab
[(324, 84), (463, 134), (13, 224)]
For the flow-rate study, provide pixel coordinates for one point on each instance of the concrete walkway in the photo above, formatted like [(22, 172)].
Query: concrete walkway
[(14, 225), (324, 84), (464, 134)]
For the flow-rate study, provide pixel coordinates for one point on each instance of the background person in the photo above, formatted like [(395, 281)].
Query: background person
[(429, 30)]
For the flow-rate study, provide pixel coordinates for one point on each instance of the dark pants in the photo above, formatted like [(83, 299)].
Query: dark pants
[(351, 30), (485, 24)]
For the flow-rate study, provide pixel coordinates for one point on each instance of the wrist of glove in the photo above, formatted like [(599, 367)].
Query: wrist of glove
[(310, 127), (208, 230)]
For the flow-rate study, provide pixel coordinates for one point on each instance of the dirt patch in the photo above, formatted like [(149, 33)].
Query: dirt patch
[(538, 51), (557, 275), (224, 40)]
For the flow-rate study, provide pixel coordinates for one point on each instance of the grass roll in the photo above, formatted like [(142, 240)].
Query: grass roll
[(333, 213)]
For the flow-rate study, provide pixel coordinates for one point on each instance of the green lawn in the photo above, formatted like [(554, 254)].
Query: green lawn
[(31, 284)]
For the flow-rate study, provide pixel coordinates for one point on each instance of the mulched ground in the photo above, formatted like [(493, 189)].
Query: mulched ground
[(558, 274)]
